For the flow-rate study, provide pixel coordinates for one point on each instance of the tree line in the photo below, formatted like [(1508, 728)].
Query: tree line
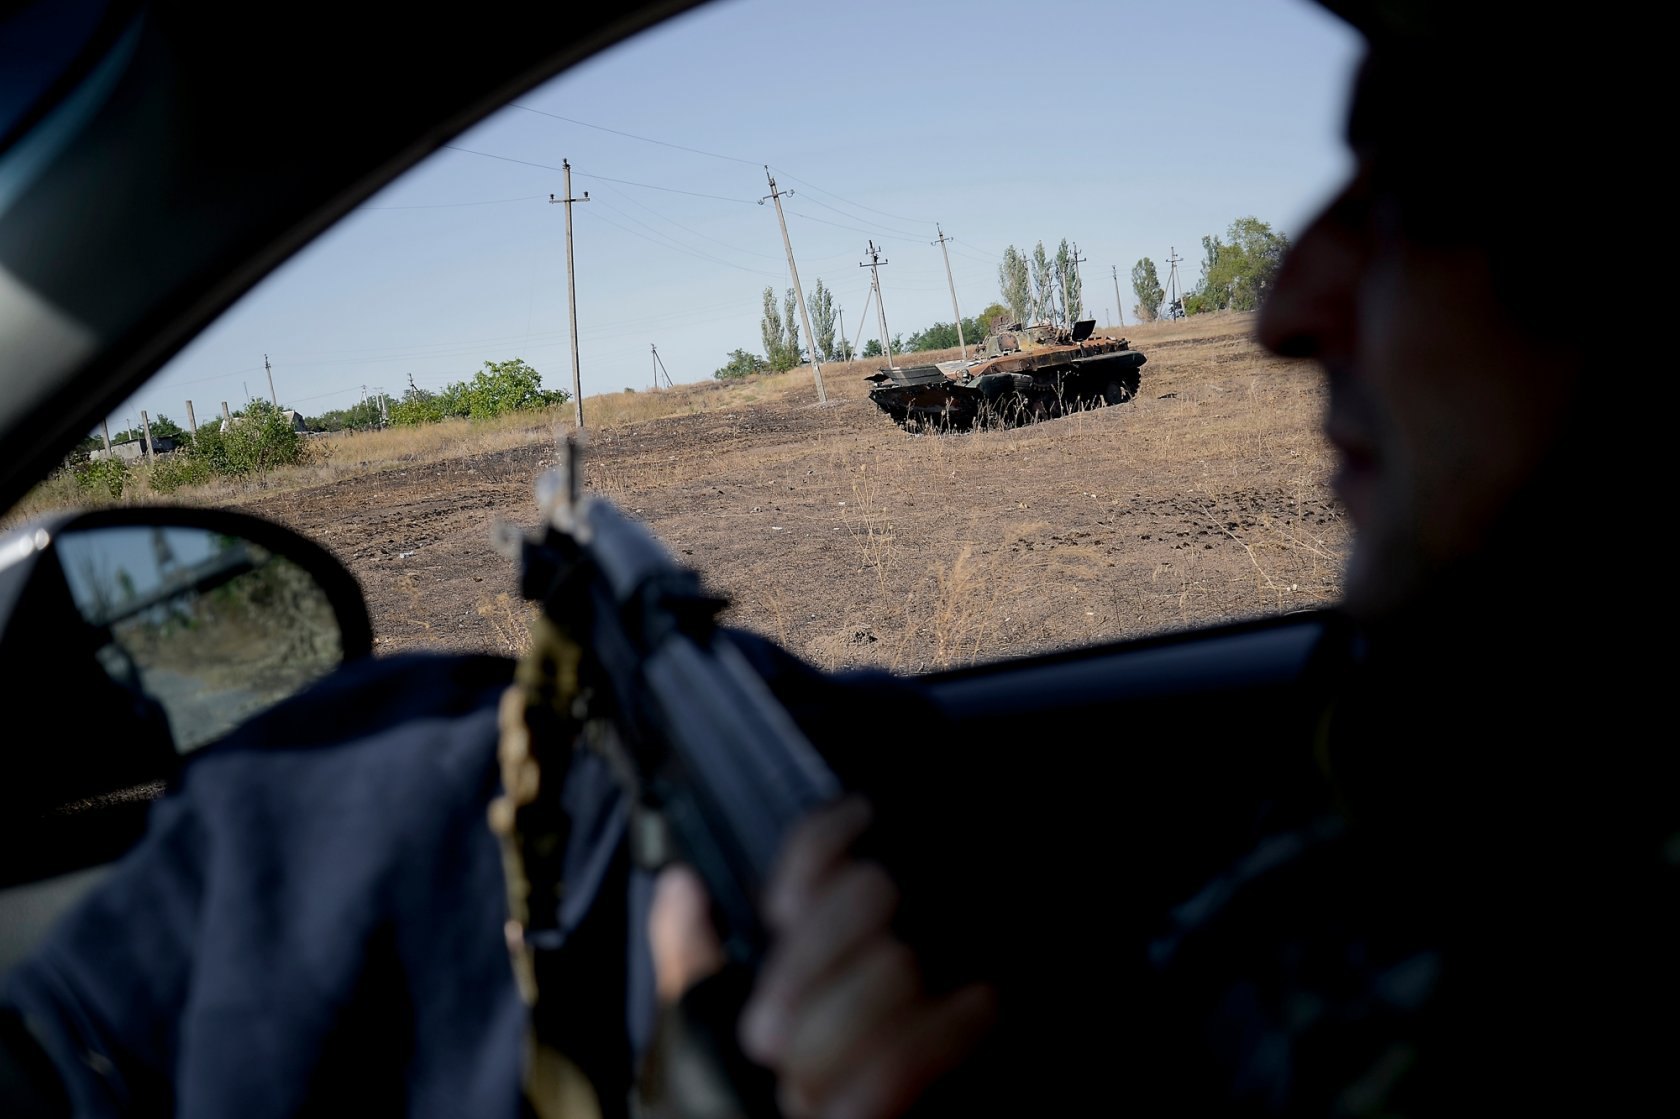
[(1037, 287), (263, 436), (1237, 272)]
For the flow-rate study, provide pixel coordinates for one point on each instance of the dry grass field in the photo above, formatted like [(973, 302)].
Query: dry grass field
[(848, 540)]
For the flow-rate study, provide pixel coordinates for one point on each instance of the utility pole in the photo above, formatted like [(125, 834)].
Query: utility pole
[(227, 417), (658, 364), (105, 426), (1118, 306), (192, 424), (1175, 296), (846, 351), (874, 267), (816, 365), (146, 428), (962, 343), (571, 286), (866, 301), (269, 369)]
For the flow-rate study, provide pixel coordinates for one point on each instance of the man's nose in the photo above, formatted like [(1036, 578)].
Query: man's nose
[(1308, 312)]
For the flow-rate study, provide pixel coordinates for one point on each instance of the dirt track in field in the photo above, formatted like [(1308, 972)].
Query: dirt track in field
[(852, 542)]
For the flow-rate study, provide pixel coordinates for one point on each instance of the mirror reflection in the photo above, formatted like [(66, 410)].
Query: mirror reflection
[(212, 627)]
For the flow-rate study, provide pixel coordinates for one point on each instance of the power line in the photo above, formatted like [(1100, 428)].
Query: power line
[(603, 178), (320, 395), (503, 158), (857, 205), (994, 257), (217, 377), (854, 217), (678, 246), (835, 224), (695, 232), (452, 205), (666, 189), (633, 136), (730, 159)]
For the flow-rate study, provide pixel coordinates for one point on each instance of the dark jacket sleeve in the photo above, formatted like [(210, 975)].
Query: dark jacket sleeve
[(312, 922)]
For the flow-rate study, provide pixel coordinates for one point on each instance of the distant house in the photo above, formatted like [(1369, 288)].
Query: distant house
[(134, 450), (292, 416)]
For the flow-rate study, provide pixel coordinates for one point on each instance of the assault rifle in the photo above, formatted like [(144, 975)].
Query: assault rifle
[(628, 659), (709, 753)]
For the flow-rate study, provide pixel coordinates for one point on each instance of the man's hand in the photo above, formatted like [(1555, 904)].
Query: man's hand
[(839, 1011)]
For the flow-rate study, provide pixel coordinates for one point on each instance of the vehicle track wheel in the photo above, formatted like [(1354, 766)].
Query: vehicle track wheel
[(1120, 389)]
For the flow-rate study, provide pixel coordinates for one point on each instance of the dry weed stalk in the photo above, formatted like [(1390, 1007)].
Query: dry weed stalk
[(866, 520), (963, 620), (511, 624)]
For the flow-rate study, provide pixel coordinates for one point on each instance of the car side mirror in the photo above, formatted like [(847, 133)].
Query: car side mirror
[(143, 633)]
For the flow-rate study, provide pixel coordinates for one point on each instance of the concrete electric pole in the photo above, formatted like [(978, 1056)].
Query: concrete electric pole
[(816, 365), (1175, 295), (874, 265), (571, 286), (961, 342), (659, 364)]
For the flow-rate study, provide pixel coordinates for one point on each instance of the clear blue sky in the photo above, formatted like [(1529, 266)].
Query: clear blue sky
[(1129, 128)]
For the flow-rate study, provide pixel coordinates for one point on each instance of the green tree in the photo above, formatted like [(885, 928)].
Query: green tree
[(993, 319), (790, 316), (358, 417), (1146, 285), (770, 326), (497, 389), (165, 428), (508, 386), (1015, 285), (106, 477), (939, 336), (872, 348), (741, 364), (260, 439), (1071, 288), (779, 330), (417, 406), (944, 336), (822, 321), (1044, 285), (1240, 269)]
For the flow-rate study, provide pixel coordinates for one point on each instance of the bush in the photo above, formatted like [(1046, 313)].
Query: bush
[(497, 389), (260, 439), (180, 469), (741, 364), (104, 476)]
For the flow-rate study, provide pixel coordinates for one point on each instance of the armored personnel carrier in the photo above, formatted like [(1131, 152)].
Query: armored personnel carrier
[(1022, 375)]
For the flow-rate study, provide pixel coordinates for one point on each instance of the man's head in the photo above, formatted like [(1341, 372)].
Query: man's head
[(1417, 288)]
